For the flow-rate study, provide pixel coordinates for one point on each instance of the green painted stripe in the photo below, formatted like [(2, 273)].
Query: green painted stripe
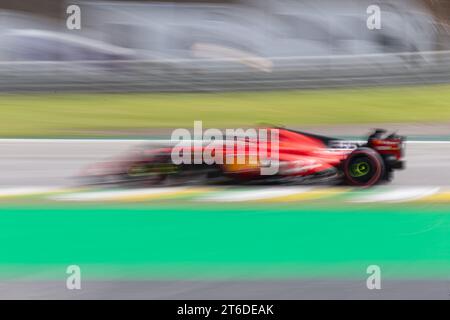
[(225, 242)]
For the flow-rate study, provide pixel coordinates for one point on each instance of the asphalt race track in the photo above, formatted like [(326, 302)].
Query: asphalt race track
[(26, 163), (233, 290)]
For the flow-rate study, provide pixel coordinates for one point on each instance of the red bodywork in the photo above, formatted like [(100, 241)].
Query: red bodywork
[(298, 155)]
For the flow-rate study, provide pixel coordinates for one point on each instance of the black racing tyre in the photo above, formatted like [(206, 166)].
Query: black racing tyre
[(364, 167), (151, 174)]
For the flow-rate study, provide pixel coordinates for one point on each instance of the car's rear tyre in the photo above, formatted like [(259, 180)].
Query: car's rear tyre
[(364, 167)]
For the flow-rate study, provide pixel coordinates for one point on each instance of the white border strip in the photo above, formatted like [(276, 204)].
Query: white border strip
[(403, 194), (166, 141), (109, 195), (25, 191), (258, 193)]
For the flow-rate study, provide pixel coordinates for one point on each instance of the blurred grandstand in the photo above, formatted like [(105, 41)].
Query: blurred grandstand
[(221, 45)]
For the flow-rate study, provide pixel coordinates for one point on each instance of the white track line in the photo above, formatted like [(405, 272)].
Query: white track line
[(82, 140), (23, 191), (166, 141), (239, 194), (396, 195), (254, 194), (428, 142), (114, 194)]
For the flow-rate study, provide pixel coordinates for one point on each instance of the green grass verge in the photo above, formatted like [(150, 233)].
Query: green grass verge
[(223, 243), (86, 114)]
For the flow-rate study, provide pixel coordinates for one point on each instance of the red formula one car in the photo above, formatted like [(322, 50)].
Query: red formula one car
[(296, 157)]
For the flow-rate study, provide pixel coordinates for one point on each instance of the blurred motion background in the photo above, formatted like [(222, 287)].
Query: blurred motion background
[(221, 45)]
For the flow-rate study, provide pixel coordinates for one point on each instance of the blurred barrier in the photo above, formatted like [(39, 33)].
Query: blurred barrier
[(227, 74)]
